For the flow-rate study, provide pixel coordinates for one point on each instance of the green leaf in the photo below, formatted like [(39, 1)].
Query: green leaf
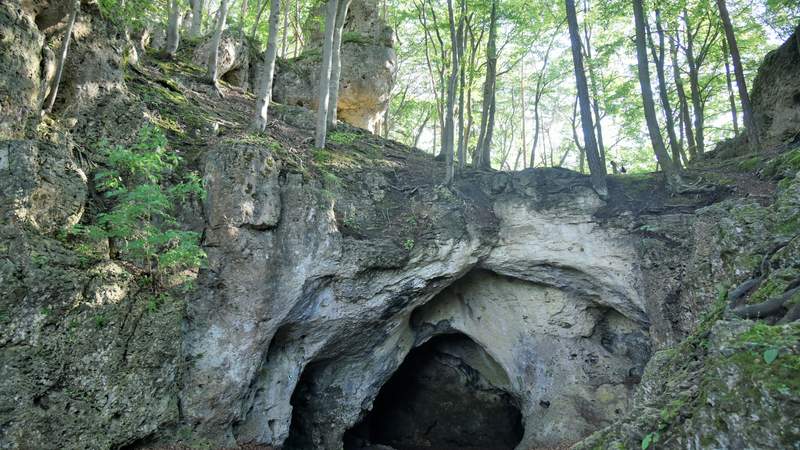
[(646, 441), (770, 355)]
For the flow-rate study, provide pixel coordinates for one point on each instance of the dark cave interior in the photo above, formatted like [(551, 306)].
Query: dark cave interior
[(438, 399)]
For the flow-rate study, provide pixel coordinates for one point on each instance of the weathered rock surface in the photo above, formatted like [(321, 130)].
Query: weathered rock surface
[(368, 64), (88, 362), (776, 94), (302, 297), (20, 77), (233, 58), (41, 186)]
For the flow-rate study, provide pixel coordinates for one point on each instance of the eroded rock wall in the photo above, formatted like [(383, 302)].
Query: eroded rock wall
[(776, 94), (295, 293)]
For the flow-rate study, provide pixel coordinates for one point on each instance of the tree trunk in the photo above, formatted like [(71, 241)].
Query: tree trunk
[(731, 95), (265, 86), (540, 86), (475, 43), (448, 138), (522, 116), (576, 139), (253, 30), (601, 148), (336, 62), (536, 127), (738, 71), (297, 31), (596, 167), (483, 152), (62, 56), (197, 18), (325, 74), (694, 87), (659, 58), (421, 128), (462, 82), (285, 37), (173, 29), (213, 58), (686, 118), (647, 98)]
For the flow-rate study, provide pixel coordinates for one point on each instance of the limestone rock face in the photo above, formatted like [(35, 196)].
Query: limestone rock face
[(86, 362), (233, 63), (297, 301), (20, 77), (368, 63), (776, 94), (41, 186)]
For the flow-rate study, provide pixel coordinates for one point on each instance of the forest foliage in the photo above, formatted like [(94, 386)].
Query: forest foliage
[(534, 116)]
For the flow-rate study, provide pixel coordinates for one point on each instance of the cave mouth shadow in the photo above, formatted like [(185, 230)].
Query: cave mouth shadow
[(447, 394)]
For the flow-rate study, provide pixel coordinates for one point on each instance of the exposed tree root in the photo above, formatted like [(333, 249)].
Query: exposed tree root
[(768, 308), (737, 296)]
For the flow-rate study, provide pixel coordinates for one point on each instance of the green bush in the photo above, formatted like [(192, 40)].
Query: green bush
[(140, 226)]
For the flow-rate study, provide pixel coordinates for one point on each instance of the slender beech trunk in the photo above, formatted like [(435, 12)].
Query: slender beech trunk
[(213, 56), (62, 56), (694, 87), (475, 43), (197, 18), (522, 116), (297, 32), (325, 74), (541, 83), (536, 127), (433, 150), (728, 81), (659, 55), (683, 102), (336, 62), (647, 98), (448, 137), (576, 139), (265, 88), (483, 152), (601, 148), (173, 29), (596, 167), (421, 128), (462, 81), (285, 37), (262, 5), (738, 71)]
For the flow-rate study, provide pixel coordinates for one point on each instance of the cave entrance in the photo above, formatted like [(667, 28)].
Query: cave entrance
[(447, 394)]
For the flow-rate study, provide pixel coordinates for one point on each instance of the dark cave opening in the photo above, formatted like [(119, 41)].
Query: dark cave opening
[(447, 394)]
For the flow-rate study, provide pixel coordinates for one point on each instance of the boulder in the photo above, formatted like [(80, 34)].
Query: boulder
[(368, 65), (233, 63)]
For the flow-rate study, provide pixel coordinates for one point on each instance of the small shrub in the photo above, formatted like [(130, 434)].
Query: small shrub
[(330, 180), (322, 156), (100, 321), (140, 225), (342, 137), (651, 438)]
